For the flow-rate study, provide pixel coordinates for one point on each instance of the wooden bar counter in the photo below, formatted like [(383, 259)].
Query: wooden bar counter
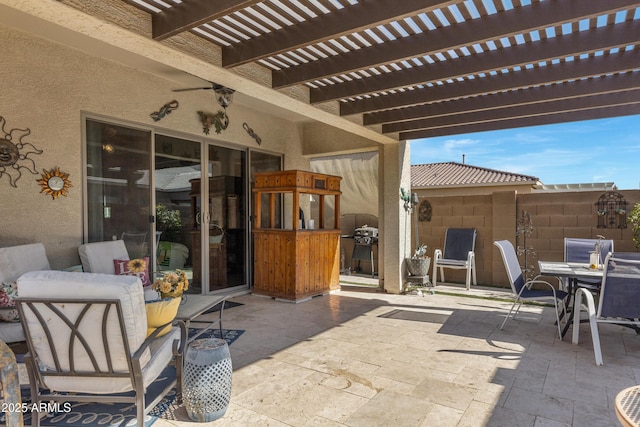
[(295, 264)]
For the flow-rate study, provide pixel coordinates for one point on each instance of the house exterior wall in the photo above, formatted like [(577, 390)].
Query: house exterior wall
[(554, 215), (47, 87)]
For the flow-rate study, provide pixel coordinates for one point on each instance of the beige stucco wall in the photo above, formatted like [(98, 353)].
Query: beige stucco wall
[(554, 215), (47, 87)]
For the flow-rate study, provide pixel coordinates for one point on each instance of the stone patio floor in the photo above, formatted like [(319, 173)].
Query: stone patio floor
[(359, 357)]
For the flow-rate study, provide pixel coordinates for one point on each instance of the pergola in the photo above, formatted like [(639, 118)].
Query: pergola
[(414, 69)]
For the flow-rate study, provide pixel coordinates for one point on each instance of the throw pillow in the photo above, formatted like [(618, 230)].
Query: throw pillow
[(134, 267), (9, 314), (161, 312), (8, 292)]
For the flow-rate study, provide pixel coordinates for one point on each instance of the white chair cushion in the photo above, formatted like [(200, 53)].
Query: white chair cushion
[(98, 257), (161, 353), (87, 286), (17, 260), (11, 332)]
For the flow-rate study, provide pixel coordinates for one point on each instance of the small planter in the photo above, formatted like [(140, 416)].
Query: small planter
[(418, 266)]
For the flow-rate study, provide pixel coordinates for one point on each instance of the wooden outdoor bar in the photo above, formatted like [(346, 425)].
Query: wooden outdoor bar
[(293, 263)]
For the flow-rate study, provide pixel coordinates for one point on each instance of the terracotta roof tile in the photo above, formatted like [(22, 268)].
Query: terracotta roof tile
[(453, 174)]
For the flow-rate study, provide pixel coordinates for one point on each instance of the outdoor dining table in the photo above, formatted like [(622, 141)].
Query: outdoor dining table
[(572, 271)]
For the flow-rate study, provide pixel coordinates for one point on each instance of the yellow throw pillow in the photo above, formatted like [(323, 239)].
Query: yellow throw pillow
[(161, 312)]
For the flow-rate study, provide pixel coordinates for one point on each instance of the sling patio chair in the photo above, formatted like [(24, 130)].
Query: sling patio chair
[(458, 253), (522, 290), (618, 302)]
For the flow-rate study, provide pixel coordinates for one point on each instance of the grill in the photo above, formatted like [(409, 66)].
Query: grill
[(364, 238), (365, 235)]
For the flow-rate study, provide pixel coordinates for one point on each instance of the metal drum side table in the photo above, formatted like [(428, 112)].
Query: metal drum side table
[(206, 379)]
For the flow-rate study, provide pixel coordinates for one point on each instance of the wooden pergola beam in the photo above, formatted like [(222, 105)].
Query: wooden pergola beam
[(512, 98), (504, 24), (326, 27), (557, 106), (577, 69), (554, 118), (544, 50), (191, 13)]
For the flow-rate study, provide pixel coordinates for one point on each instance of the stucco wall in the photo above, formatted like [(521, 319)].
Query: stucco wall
[(46, 87), (554, 216)]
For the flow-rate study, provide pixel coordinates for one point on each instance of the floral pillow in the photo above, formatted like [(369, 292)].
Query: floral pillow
[(8, 310), (8, 292), (134, 267)]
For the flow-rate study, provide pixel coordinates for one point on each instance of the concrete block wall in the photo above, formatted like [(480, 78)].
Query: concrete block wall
[(555, 215), (473, 211)]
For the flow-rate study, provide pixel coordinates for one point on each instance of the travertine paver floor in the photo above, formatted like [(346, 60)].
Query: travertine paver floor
[(364, 358)]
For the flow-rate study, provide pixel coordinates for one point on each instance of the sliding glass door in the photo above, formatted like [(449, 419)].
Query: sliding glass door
[(177, 167), (207, 240), (148, 190), (118, 161), (227, 220)]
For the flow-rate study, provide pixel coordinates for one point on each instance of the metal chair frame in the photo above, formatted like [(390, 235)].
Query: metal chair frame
[(77, 340)]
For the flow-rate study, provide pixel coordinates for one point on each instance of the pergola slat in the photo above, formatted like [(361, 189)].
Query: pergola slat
[(559, 47), (554, 118), (539, 94), (341, 22), (508, 112), (618, 63), (191, 13)]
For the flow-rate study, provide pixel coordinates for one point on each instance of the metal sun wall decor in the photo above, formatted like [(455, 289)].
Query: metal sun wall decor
[(611, 209), (54, 182), (164, 110), (251, 133), (13, 155)]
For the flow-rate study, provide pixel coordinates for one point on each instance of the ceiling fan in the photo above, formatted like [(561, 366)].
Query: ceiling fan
[(224, 94)]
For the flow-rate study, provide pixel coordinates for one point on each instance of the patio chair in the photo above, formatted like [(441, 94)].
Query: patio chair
[(97, 257), (136, 244), (459, 246), (618, 302), (578, 250), (14, 262), (87, 341), (522, 290)]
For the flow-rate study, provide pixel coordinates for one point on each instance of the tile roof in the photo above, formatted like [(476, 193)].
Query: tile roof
[(448, 174)]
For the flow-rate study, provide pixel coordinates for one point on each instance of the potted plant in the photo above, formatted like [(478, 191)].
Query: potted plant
[(419, 263), (634, 219), (169, 222)]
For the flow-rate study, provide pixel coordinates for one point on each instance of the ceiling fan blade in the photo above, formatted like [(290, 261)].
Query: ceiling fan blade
[(192, 88)]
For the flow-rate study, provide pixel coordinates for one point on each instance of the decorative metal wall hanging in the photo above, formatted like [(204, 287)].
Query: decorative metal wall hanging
[(611, 209), (164, 110), (425, 211), (220, 121), (524, 229), (54, 182), (251, 133), (14, 154)]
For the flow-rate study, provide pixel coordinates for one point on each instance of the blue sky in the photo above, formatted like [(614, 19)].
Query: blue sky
[(605, 150)]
